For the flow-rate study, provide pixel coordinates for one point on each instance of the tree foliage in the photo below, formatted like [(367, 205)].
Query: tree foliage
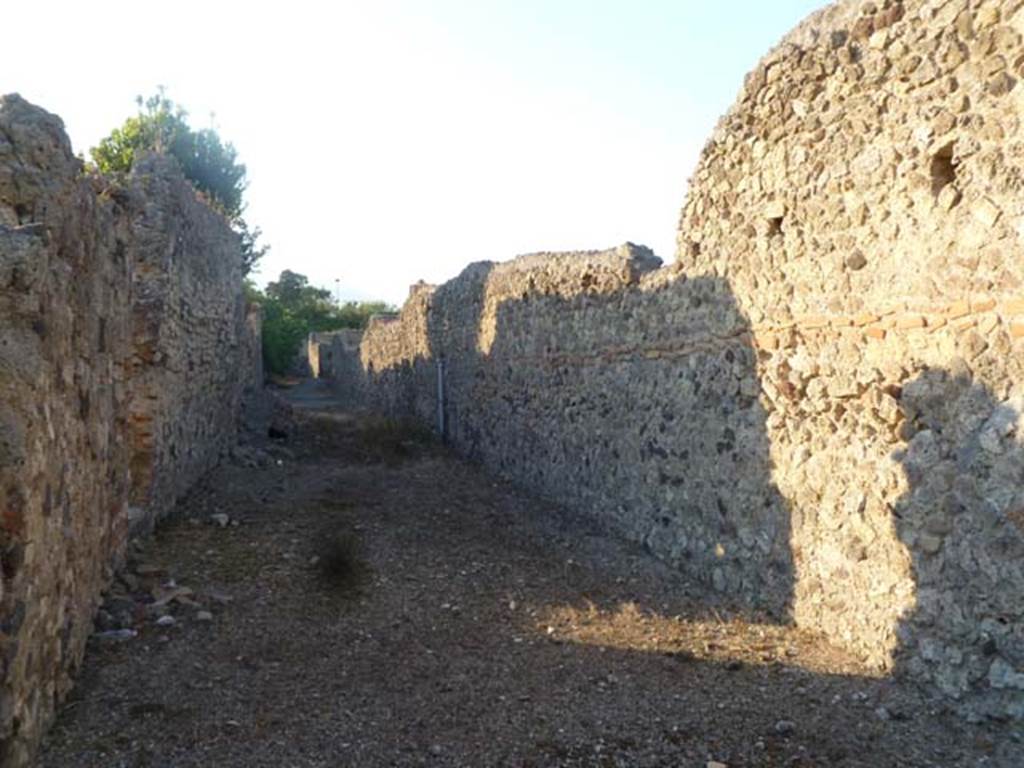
[(210, 164), (252, 249), (292, 309)]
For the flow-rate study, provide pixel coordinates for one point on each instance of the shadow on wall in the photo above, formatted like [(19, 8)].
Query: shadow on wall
[(623, 392), (962, 521), (633, 396)]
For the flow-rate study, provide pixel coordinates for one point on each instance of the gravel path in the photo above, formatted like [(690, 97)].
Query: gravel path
[(373, 601)]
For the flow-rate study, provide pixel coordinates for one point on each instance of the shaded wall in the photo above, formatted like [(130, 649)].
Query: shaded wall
[(610, 386), (817, 408), (65, 332), (337, 355), (124, 352), (863, 199)]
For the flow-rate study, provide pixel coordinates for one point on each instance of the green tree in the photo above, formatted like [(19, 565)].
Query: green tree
[(252, 249), (210, 164), (292, 309)]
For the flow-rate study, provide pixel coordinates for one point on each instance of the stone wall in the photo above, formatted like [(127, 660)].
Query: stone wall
[(65, 330), (817, 409), (189, 340), (122, 335), (863, 201), (337, 356)]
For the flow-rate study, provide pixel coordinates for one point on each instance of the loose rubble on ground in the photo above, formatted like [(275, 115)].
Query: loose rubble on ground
[(394, 606)]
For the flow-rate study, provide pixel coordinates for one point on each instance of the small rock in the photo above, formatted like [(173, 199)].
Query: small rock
[(785, 727), (168, 594), (116, 635), (882, 714), (130, 581), (986, 212), (1001, 675), (436, 749), (716, 764), (165, 621), (204, 616), (949, 197), (856, 261), (220, 519), (221, 598)]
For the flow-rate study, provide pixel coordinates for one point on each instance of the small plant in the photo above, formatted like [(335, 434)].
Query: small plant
[(390, 440), (341, 564)]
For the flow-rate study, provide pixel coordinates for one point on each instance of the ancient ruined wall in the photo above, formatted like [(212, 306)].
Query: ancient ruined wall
[(121, 317), (65, 331), (190, 365), (319, 346), (396, 355), (312, 354), (818, 408), (338, 360), (610, 386), (864, 201)]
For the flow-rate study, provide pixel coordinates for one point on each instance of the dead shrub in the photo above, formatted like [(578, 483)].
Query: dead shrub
[(341, 565)]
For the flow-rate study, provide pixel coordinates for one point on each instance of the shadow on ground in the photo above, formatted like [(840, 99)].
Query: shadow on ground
[(491, 630)]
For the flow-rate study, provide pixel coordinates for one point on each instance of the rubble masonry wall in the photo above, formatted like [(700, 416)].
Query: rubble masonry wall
[(818, 408)]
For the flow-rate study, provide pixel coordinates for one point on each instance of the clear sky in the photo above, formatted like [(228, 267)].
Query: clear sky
[(393, 140)]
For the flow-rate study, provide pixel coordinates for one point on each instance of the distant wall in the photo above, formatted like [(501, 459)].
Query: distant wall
[(311, 355), (817, 409), (124, 353), (609, 385), (337, 356)]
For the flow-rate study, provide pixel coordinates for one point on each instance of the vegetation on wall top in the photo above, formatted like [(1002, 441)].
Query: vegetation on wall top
[(209, 163)]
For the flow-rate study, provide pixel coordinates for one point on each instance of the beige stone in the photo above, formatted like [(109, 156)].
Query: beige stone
[(986, 212)]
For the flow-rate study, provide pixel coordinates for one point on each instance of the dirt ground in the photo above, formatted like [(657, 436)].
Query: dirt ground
[(374, 601)]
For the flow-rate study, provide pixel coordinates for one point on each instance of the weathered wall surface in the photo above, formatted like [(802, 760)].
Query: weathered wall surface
[(121, 318), (818, 407), (190, 338), (864, 201), (609, 385), (337, 355), (65, 331)]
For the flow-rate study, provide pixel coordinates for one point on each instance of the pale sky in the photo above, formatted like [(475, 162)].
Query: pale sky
[(392, 140)]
